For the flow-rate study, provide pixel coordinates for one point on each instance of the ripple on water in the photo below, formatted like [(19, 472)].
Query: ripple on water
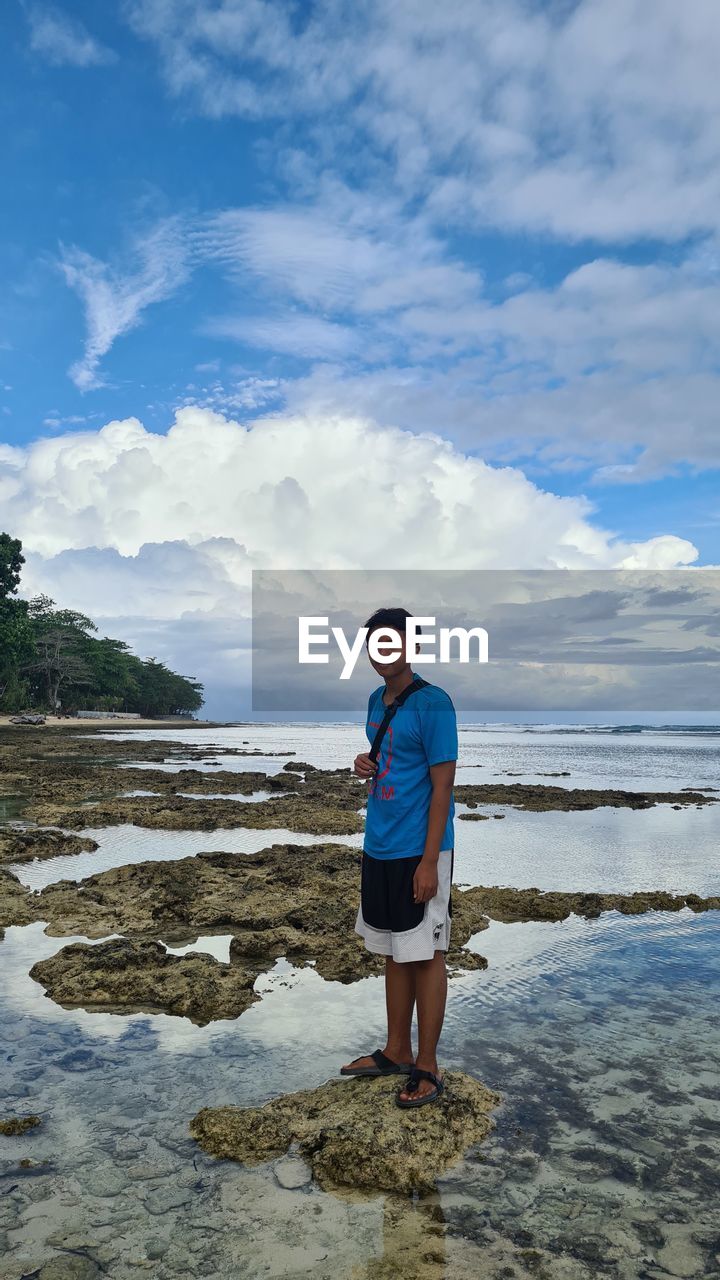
[(125, 844), (601, 1035)]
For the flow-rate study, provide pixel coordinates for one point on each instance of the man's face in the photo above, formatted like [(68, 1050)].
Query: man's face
[(398, 664)]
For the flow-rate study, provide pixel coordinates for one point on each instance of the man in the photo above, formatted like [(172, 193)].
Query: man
[(407, 864)]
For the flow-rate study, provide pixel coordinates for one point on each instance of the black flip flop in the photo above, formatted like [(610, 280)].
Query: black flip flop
[(411, 1084), (384, 1066)]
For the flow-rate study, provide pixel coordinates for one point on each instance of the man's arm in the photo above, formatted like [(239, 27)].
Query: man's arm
[(425, 880)]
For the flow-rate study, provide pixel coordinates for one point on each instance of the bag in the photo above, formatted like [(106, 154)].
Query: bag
[(417, 683)]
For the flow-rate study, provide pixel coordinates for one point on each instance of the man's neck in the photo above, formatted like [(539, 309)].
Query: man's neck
[(395, 684)]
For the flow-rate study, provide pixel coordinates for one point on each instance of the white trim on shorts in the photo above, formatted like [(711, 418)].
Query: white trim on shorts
[(431, 935)]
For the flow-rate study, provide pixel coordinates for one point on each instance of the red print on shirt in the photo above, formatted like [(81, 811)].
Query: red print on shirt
[(384, 761)]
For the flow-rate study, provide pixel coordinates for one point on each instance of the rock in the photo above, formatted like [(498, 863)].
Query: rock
[(292, 1173), (542, 798), (18, 844), (69, 1267), (352, 1133), (78, 1060), (163, 1199), (143, 975), (16, 900), (14, 1126), (156, 1247), (182, 813), (680, 1257)]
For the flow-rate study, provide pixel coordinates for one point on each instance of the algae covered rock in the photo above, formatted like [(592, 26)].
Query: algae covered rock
[(353, 1135), (143, 975), (24, 845), (16, 903), (15, 1126), (542, 798)]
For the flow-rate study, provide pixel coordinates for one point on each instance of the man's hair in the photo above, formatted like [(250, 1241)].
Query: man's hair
[(395, 619)]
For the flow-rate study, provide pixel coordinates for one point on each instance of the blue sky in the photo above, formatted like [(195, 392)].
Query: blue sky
[(496, 223)]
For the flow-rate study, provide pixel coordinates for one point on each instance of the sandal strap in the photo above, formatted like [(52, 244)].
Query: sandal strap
[(416, 1075), (382, 1061), (379, 1058)]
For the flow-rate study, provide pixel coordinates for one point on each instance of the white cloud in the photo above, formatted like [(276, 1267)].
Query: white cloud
[(586, 119), (114, 300), (295, 334), (64, 41), (346, 251), (155, 535), (616, 362), (285, 491)]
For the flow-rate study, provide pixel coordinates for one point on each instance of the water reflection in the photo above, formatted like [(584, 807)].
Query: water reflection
[(602, 1037)]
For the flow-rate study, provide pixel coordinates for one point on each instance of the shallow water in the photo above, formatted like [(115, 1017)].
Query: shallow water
[(650, 761), (601, 1035), (124, 843)]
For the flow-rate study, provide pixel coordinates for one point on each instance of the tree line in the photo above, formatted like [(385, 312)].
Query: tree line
[(53, 659)]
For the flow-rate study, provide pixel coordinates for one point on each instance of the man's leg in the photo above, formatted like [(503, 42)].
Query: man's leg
[(399, 1002), (430, 980)]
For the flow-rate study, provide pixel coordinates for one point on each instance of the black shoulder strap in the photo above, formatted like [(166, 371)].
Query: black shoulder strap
[(417, 683)]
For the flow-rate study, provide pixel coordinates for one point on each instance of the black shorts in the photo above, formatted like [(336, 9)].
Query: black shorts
[(390, 922)]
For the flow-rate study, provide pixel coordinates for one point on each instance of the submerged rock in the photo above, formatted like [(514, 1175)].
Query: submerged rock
[(143, 975), (15, 1126), (353, 1135)]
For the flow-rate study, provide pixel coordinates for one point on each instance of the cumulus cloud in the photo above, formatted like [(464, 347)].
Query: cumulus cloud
[(582, 120), (64, 41), (286, 490), (114, 299), (155, 535)]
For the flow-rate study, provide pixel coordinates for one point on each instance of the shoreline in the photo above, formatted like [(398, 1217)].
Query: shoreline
[(124, 722)]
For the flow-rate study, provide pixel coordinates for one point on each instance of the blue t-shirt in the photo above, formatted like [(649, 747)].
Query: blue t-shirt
[(423, 732)]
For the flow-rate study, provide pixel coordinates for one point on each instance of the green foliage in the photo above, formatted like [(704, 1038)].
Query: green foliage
[(16, 639), (11, 563), (52, 658)]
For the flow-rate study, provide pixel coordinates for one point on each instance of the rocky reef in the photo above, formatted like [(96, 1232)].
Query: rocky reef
[(16, 901), (127, 975), (541, 798), (19, 844), (75, 782), (352, 1133), (293, 901)]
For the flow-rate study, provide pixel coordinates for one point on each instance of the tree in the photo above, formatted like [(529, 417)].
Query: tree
[(49, 654), (164, 693), (11, 563), (16, 639), (62, 643)]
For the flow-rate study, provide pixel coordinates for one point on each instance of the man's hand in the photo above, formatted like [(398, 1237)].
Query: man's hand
[(364, 767), (425, 880)]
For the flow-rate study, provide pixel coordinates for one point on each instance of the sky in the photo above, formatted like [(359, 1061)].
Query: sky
[(352, 285)]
